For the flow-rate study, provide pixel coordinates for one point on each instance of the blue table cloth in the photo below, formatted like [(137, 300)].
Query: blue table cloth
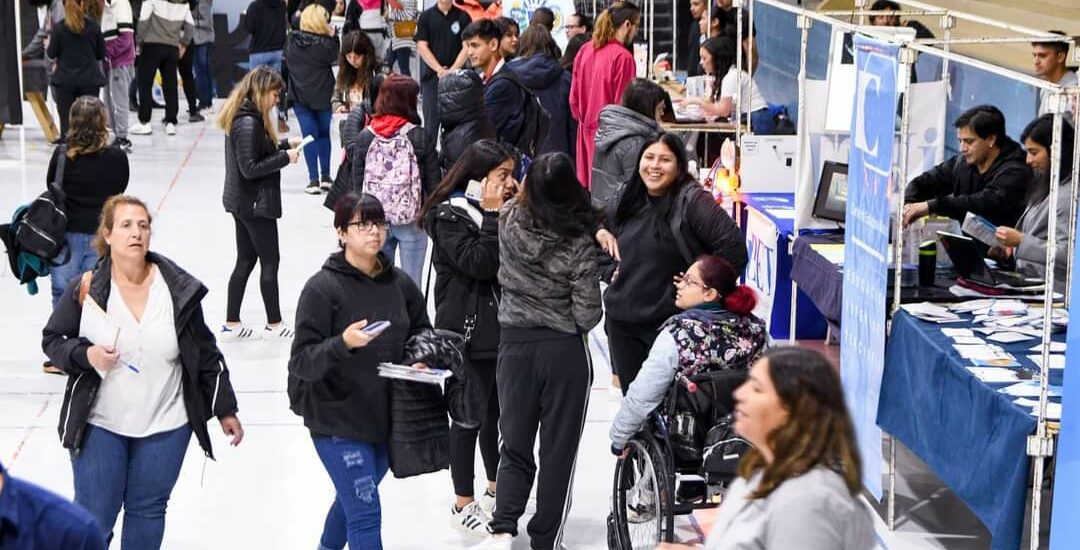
[(973, 437)]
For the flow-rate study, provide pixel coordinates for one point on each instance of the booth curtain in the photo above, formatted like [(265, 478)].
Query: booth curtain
[(10, 87)]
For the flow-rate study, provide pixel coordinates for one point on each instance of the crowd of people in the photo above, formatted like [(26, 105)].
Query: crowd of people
[(551, 197)]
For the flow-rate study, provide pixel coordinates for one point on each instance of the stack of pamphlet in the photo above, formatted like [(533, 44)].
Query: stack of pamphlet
[(406, 372)]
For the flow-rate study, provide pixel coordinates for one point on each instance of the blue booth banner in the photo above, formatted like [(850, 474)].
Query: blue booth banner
[(862, 344)]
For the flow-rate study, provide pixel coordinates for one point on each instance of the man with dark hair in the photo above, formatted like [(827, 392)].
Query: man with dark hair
[(989, 177), (438, 41), (543, 16), (693, 37), (32, 517), (508, 44), (576, 24), (503, 99), (1050, 59), (894, 20)]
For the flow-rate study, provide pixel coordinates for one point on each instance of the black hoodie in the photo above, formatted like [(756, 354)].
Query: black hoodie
[(267, 23), (338, 391), (954, 187), (311, 60), (551, 84)]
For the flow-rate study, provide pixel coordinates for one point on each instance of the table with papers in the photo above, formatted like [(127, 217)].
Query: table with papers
[(956, 419)]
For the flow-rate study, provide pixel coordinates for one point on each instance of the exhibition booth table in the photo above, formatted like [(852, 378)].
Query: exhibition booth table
[(973, 436)]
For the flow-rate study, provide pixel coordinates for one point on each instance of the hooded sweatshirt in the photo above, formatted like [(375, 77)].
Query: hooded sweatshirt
[(622, 134), (267, 21), (167, 22), (118, 26), (338, 391), (311, 60), (551, 84)]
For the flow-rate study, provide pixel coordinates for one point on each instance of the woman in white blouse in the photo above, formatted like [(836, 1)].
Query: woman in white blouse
[(718, 61), (144, 373)]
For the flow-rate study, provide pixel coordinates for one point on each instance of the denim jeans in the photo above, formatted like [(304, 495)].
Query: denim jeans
[(136, 473), (413, 243), (356, 469), (272, 60), (317, 125), (204, 80), (401, 56), (83, 258)]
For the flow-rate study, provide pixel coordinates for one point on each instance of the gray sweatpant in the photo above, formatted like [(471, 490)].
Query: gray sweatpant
[(116, 97)]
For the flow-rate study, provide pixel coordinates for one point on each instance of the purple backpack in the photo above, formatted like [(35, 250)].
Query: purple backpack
[(392, 175)]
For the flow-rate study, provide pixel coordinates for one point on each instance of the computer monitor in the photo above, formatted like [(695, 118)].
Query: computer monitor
[(831, 200)]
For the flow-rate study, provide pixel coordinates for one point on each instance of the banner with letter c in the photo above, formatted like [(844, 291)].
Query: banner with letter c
[(866, 243)]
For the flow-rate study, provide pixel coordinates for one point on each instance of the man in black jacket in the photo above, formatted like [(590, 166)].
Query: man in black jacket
[(989, 177), (504, 100)]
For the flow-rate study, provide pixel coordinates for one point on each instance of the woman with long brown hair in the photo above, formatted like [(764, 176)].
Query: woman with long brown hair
[(356, 71), (77, 47)]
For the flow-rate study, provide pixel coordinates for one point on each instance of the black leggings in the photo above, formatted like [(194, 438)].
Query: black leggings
[(463, 441), (65, 98), (155, 57), (629, 344), (256, 239), (187, 77)]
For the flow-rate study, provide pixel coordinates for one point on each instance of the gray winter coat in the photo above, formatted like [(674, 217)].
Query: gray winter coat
[(547, 280), (204, 22), (619, 140), (1035, 225)]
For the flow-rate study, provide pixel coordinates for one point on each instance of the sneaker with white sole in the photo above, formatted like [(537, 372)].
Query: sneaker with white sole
[(487, 504), (281, 331), (500, 541), (313, 188), (141, 129), (238, 334), (170, 129), (470, 519)]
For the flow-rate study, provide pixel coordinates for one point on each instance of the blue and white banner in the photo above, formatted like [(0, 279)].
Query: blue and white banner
[(862, 345), (1065, 523)]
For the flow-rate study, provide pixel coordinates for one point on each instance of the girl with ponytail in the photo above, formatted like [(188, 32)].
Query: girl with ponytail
[(715, 331)]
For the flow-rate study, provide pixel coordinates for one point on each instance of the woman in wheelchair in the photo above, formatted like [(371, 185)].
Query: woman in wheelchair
[(715, 331)]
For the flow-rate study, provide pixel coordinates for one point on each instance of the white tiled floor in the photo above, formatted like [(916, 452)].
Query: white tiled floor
[(271, 492)]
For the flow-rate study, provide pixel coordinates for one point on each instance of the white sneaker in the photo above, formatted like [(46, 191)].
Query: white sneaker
[(282, 331), (170, 129), (238, 334), (470, 519), (500, 541), (141, 129), (487, 504)]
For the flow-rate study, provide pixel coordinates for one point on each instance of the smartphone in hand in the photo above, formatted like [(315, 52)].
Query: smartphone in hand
[(376, 328), (474, 190)]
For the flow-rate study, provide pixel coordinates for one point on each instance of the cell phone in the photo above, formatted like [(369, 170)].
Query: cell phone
[(376, 328), (474, 190), (307, 139)]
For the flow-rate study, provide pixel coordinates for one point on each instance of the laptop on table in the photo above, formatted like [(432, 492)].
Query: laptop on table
[(969, 260)]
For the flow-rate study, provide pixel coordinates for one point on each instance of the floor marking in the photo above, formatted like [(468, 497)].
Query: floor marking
[(179, 170), (29, 430)]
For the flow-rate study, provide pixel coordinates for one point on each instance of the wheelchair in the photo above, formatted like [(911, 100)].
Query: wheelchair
[(681, 461)]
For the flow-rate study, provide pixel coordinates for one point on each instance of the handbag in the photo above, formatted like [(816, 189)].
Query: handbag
[(404, 29)]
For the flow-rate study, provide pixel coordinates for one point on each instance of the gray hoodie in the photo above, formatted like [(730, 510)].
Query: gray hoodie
[(619, 139)]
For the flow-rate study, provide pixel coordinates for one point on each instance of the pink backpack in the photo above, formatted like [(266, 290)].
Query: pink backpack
[(392, 175)]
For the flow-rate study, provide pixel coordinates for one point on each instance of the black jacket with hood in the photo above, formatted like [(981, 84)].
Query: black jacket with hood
[(311, 59), (267, 23), (463, 124), (205, 382), (253, 166), (338, 391), (619, 139), (551, 84), (954, 187)]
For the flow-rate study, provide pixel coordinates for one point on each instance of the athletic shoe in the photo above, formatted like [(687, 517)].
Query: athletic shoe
[(123, 143), (487, 504), (141, 129), (170, 129), (313, 188), (282, 331), (238, 334), (470, 519), (500, 541), (195, 117), (49, 368), (326, 183)]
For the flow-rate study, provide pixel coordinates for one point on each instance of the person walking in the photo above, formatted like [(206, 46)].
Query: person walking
[(623, 130), (77, 47), (203, 52), (464, 231), (550, 301), (311, 52), (603, 69), (118, 28), (267, 21), (253, 161), (333, 381), (165, 28), (143, 372), (537, 66)]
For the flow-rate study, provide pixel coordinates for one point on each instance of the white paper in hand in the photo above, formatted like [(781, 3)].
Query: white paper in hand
[(95, 325)]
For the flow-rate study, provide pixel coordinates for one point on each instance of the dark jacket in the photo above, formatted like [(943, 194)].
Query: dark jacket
[(267, 23), (548, 281), (78, 56), (551, 84), (205, 382), (463, 124), (253, 166), (504, 103), (622, 134), (311, 59), (338, 391), (954, 187), (465, 255), (693, 42)]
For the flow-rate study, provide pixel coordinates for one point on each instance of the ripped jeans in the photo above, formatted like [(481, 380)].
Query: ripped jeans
[(355, 468)]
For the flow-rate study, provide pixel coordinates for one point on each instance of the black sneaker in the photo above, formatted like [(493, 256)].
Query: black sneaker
[(326, 183), (196, 117), (313, 188), (123, 143)]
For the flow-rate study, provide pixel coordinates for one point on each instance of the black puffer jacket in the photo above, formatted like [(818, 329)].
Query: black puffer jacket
[(253, 166), (205, 381), (460, 95), (619, 139), (465, 254), (311, 59), (551, 84)]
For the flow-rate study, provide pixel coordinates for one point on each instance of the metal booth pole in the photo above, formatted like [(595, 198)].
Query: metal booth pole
[(1075, 176), (738, 110), (803, 23)]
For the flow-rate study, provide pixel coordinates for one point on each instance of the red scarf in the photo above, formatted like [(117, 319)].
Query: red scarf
[(387, 125)]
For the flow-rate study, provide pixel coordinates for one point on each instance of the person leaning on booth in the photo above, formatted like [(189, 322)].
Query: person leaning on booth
[(989, 177)]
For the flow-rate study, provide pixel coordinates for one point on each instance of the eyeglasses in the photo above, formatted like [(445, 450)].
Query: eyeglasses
[(685, 280), (367, 226)]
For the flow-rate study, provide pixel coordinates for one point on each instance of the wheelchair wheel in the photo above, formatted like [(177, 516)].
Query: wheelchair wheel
[(642, 498)]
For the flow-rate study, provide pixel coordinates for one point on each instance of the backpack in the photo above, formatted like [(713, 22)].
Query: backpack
[(392, 175), (40, 231), (537, 119)]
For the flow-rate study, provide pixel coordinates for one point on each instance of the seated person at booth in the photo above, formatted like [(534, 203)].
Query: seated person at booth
[(988, 178), (715, 331), (894, 20), (1026, 243), (1050, 60), (718, 61)]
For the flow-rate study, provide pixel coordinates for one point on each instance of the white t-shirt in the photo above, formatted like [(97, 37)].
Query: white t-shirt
[(150, 401), (752, 98), (1068, 81)]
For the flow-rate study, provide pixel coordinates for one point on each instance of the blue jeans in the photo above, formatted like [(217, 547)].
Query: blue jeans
[(204, 80), (402, 57), (356, 469), (83, 258), (136, 473), (413, 243), (316, 153), (272, 60)]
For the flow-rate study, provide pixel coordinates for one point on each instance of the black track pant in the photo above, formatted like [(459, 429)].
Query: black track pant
[(65, 98), (629, 344), (256, 239), (463, 440), (155, 57), (187, 78), (544, 380)]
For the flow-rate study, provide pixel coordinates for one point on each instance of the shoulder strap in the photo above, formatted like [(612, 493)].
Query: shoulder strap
[(56, 187), (84, 286)]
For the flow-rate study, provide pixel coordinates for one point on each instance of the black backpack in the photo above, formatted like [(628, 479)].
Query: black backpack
[(40, 230), (537, 121)]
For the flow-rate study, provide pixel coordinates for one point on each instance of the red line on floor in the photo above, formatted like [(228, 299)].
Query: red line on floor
[(29, 430), (180, 169)]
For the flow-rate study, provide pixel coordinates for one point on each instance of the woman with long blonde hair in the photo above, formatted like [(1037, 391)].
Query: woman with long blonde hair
[(311, 53), (77, 47), (253, 161)]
